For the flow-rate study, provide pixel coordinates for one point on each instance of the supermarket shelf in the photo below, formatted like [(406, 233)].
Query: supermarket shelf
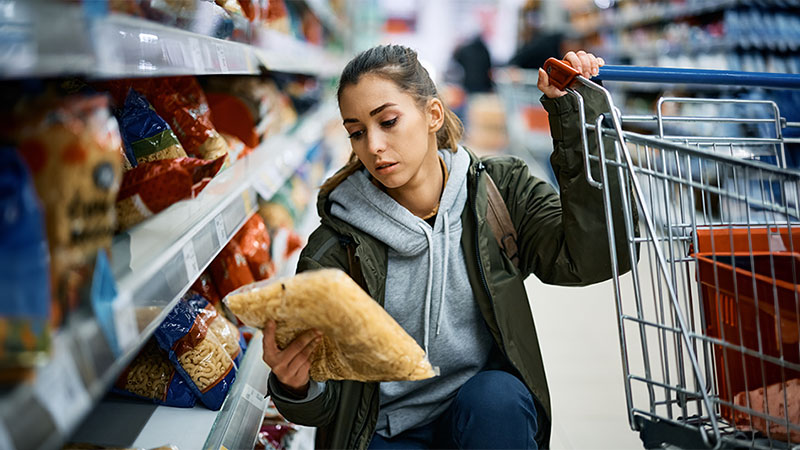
[(121, 422), (283, 53), (654, 50), (55, 39), (153, 263), (659, 13)]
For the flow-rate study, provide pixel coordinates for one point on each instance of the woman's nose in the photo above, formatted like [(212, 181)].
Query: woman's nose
[(376, 142)]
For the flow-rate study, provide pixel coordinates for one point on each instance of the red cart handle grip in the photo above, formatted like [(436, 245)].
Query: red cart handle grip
[(561, 74)]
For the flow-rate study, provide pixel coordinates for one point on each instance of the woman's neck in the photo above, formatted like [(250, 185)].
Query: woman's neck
[(422, 193)]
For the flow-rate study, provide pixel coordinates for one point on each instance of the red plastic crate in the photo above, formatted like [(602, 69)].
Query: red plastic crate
[(737, 302)]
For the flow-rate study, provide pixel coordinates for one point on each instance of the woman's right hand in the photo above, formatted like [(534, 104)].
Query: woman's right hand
[(292, 364), (586, 63)]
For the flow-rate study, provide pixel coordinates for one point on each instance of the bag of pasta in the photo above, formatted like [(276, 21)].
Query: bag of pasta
[(203, 348), (360, 341), (151, 376), (145, 134)]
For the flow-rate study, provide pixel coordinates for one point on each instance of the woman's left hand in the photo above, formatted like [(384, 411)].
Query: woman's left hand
[(585, 63)]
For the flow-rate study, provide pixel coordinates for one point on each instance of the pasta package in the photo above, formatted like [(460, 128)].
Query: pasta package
[(145, 134), (153, 186), (230, 269), (360, 341), (72, 148), (182, 102), (205, 287), (203, 353), (151, 376), (253, 240)]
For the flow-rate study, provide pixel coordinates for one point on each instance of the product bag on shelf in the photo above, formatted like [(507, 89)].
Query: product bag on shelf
[(24, 272), (253, 240), (236, 148), (249, 107), (223, 329), (181, 102), (230, 269), (204, 286), (151, 376), (145, 134), (153, 186), (72, 147), (203, 352)]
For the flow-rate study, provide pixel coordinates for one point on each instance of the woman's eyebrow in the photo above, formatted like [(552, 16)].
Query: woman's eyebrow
[(371, 113)]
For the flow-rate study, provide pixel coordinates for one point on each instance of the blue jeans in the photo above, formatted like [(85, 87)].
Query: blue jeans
[(493, 409)]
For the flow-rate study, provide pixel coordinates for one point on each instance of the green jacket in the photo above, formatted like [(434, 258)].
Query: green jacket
[(561, 240)]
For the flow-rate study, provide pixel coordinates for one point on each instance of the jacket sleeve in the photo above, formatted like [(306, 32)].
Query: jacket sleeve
[(320, 252), (563, 239)]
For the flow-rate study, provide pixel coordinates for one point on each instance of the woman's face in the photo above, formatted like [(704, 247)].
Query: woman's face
[(391, 135)]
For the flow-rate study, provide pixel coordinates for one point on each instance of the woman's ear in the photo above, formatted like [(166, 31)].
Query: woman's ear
[(435, 115)]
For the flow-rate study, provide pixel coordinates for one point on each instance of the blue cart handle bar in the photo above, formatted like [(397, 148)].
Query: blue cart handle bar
[(698, 76)]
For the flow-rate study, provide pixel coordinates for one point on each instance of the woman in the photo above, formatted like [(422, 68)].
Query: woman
[(406, 217)]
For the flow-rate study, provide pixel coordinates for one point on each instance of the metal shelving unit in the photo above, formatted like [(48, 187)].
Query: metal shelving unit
[(127, 423), (154, 264), (43, 39)]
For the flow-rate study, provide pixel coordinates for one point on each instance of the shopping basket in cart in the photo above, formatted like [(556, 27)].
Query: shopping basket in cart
[(709, 318)]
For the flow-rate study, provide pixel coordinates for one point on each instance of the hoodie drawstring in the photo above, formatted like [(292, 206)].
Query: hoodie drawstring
[(429, 284), (444, 270), (428, 287)]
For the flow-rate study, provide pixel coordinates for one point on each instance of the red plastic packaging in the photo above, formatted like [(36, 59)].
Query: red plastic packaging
[(153, 186), (204, 285), (230, 270), (253, 240)]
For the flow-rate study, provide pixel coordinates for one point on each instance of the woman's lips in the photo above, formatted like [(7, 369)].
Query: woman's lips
[(385, 168)]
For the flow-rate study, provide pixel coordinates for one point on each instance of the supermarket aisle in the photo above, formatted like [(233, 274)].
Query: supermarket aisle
[(577, 330)]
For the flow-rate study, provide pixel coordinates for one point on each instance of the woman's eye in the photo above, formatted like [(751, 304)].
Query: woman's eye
[(356, 134), (389, 123)]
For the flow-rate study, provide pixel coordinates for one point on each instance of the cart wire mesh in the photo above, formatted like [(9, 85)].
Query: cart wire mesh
[(709, 317)]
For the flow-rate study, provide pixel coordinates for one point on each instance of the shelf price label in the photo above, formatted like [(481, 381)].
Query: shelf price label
[(125, 320), (196, 54), (254, 397), (222, 235), (190, 261), (248, 202), (60, 390), (223, 60)]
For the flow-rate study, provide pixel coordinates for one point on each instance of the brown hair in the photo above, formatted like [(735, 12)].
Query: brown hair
[(400, 65)]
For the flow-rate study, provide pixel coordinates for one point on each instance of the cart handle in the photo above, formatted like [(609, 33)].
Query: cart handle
[(561, 74), (698, 76)]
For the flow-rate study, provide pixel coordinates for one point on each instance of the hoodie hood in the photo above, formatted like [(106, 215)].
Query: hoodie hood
[(361, 204)]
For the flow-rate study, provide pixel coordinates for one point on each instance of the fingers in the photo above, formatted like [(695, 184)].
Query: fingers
[(574, 61), (585, 63), (268, 342), (547, 89), (301, 363), (544, 80)]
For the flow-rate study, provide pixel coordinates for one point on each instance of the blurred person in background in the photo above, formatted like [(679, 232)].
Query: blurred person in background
[(406, 217)]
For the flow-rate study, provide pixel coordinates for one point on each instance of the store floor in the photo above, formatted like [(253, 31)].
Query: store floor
[(577, 330)]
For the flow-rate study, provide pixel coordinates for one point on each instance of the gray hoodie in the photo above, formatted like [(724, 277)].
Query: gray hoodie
[(427, 291)]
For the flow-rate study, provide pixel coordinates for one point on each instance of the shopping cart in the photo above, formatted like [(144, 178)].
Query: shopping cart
[(709, 317)]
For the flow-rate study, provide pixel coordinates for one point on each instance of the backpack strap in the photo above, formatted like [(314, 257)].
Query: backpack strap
[(500, 222)]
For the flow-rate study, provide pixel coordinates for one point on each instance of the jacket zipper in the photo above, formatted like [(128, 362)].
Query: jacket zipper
[(481, 168)]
